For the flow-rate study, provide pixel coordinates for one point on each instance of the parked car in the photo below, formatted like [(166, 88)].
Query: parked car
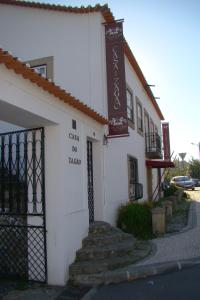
[(183, 181), (196, 181)]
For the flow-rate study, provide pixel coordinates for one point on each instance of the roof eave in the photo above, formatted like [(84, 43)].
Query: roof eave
[(22, 69)]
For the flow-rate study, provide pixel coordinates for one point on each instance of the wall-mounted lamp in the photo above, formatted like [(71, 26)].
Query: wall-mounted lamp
[(151, 85), (105, 140)]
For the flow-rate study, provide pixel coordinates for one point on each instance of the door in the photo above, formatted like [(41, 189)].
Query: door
[(90, 181)]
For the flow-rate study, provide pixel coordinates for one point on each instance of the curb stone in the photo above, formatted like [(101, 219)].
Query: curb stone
[(192, 223), (90, 294), (134, 273)]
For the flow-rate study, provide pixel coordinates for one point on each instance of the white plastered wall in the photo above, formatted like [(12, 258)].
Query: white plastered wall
[(118, 150), (27, 105), (74, 41)]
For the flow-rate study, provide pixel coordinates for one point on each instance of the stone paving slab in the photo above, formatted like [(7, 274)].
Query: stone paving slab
[(50, 293), (30, 291), (179, 246)]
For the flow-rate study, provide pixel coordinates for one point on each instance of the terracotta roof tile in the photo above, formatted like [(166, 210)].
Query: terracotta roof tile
[(79, 10), (20, 68)]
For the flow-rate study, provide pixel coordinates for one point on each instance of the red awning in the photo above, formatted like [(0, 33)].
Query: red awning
[(159, 164)]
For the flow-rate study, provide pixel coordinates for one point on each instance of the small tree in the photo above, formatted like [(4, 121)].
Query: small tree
[(194, 168)]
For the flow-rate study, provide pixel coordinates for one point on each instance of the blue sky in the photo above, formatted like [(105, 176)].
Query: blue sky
[(164, 36)]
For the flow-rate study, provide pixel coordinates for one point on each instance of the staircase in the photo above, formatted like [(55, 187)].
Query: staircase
[(105, 251)]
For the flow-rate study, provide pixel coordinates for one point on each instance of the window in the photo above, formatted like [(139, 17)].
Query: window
[(42, 70), (74, 124), (132, 176), (146, 130), (146, 122), (44, 66), (152, 135), (130, 110), (135, 188), (139, 117), (151, 127)]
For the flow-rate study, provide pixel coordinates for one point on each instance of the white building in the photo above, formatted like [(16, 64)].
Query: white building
[(88, 174)]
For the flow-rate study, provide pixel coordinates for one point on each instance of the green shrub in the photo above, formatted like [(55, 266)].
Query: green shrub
[(148, 204), (136, 219), (158, 203), (170, 191)]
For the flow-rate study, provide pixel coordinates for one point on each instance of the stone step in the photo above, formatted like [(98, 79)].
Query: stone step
[(119, 274), (100, 227), (108, 251), (106, 239), (88, 267)]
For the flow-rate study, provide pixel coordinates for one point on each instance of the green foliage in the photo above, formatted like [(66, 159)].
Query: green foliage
[(159, 202), (170, 191), (194, 168), (136, 219), (148, 204), (186, 196)]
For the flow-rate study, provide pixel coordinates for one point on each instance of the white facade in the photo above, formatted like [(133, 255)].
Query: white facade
[(66, 183), (77, 44), (74, 40)]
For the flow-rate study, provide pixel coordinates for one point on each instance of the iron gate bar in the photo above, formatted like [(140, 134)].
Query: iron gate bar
[(34, 173), (22, 226), (21, 215), (17, 173), (10, 172), (22, 192), (20, 131), (2, 174), (43, 200)]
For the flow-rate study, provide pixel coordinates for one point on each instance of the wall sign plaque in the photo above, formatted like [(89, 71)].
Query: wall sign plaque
[(116, 85), (166, 141), (74, 149)]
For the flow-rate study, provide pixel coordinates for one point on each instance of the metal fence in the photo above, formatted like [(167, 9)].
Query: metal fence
[(22, 205)]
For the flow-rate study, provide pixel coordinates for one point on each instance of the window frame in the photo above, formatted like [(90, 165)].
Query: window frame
[(151, 127), (146, 117), (140, 127), (155, 129), (36, 68), (132, 161), (43, 61), (130, 108), (135, 189)]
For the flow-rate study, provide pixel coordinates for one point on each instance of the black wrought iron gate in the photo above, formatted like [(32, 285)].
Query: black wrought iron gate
[(90, 181), (22, 206)]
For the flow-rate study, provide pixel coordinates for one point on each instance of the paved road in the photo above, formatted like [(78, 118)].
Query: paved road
[(182, 285), (180, 246)]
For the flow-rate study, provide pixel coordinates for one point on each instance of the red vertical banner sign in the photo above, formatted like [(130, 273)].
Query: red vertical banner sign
[(166, 141), (116, 85)]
